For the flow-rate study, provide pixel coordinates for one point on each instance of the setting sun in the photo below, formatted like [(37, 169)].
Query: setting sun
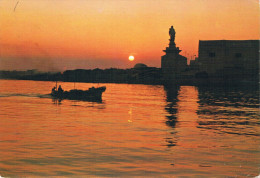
[(131, 58)]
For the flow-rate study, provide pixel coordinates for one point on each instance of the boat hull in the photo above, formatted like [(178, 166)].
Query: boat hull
[(92, 94)]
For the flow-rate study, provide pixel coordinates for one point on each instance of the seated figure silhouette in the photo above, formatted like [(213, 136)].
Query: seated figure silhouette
[(60, 90), (53, 89)]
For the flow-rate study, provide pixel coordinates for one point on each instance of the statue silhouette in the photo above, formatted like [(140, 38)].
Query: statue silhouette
[(172, 34)]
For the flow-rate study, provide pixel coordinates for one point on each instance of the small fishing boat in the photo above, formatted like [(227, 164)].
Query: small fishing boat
[(92, 94)]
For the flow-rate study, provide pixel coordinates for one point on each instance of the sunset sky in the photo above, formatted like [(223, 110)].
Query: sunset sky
[(68, 34)]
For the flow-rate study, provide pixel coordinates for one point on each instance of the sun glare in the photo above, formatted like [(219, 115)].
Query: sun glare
[(131, 58)]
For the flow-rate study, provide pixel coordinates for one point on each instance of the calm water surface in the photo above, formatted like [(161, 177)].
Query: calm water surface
[(138, 130)]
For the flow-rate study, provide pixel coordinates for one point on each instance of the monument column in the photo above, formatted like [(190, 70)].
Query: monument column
[(172, 63)]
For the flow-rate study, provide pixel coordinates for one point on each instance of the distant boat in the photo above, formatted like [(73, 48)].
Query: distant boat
[(92, 94)]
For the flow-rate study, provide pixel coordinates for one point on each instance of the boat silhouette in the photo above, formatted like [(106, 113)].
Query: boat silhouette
[(92, 94)]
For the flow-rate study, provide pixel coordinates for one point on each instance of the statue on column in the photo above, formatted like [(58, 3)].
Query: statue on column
[(172, 34), (172, 46)]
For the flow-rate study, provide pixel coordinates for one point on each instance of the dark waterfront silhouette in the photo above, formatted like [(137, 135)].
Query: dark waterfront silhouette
[(140, 74), (220, 62)]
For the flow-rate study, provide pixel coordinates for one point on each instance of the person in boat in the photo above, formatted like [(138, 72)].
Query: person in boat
[(53, 89), (60, 90)]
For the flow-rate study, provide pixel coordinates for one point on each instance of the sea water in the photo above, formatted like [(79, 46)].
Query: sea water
[(137, 130)]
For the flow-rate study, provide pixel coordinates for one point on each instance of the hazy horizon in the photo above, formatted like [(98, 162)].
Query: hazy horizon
[(57, 66)]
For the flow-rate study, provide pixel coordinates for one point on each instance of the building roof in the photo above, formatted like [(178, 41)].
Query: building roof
[(140, 65), (226, 43)]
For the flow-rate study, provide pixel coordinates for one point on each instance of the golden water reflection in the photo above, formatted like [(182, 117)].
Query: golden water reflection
[(137, 130)]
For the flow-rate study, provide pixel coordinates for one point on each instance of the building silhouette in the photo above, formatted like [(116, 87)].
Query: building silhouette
[(219, 61), (229, 58)]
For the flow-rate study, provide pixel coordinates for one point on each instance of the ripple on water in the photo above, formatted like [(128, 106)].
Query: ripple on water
[(137, 130)]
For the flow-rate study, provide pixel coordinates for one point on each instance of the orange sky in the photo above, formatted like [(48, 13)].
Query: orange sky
[(66, 34)]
